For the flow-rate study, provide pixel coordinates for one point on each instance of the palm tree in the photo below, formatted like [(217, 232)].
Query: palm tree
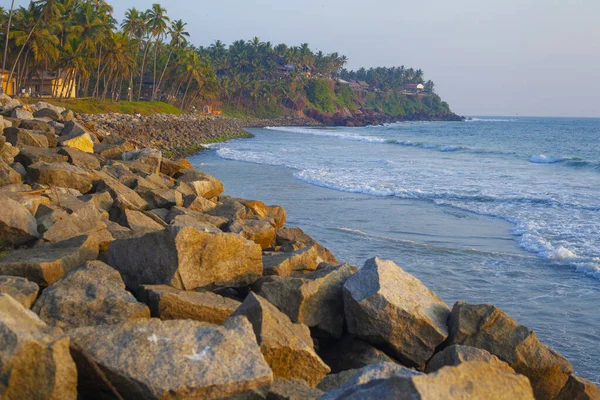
[(157, 20), (178, 39), (10, 14)]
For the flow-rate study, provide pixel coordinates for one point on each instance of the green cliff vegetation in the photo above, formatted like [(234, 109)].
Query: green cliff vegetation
[(76, 48)]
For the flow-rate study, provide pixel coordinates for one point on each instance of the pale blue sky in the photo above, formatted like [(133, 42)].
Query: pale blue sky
[(487, 57)]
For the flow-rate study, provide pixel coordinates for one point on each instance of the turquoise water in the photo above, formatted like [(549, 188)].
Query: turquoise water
[(495, 210)]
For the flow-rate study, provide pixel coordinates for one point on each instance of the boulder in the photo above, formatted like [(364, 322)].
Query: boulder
[(21, 113), (167, 303), (197, 203), (48, 215), (203, 184), (58, 127), (22, 137), (83, 142), (124, 197), (286, 264), (230, 209), (45, 265), (162, 198), (351, 353), (67, 115), (259, 209), (48, 113), (8, 153), (61, 175), (151, 157), (31, 155), (154, 359), (74, 128), (80, 158), (456, 354), (30, 201), (579, 389), (39, 127), (186, 258), (218, 222), (292, 239), (121, 173), (20, 289), (489, 328), (314, 299), (113, 151), (467, 381), (93, 294), (86, 220), (139, 222), (388, 307), (8, 176), (182, 221), (17, 225), (171, 168), (35, 361), (292, 389), (287, 353), (260, 232), (343, 385)]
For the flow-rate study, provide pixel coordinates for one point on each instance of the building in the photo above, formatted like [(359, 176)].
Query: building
[(8, 88), (414, 88), (50, 85)]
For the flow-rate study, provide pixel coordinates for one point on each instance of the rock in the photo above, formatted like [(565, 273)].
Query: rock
[(162, 198), (61, 175), (121, 173), (113, 151), (579, 389), (30, 201), (91, 295), (82, 142), (314, 299), (8, 176), (171, 168), (292, 239), (259, 209), (285, 264), (139, 222), (288, 354), (168, 303), (198, 203), (456, 354), (218, 222), (39, 127), (346, 383), (351, 353), (48, 113), (86, 220), (58, 127), (31, 155), (230, 209), (260, 232), (292, 389), (203, 184), (74, 128), (489, 328), (186, 259), (42, 105), (8, 153), (20, 289), (124, 197), (388, 307), (45, 265), (182, 221), (48, 215), (103, 201), (153, 359), (17, 225), (22, 137), (151, 157), (467, 381), (80, 158), (35, 362), (67, 115), (20, 113)]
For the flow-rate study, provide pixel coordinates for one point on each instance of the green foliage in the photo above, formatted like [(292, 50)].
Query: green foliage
[(346, 97), (320, 95)]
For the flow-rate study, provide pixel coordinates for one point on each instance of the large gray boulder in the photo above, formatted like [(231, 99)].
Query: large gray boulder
[(467, 381), (82, 221), (153, 359), (21, 113), (60, 174), (22, 290), (168, 303), (91, 295), (23, 137), (17, 225), (388, 307), (124, 197), (286, 264), (288, 354), (35, 361), (314, 299), (489, 328), (351, 353), (203, 184), (47, 264), (456, 354), (31, 155), (162, 198), (80, 158), (151, 157), (8, 176), (292, 389), (186, 259), (139, 222), (292, 239)]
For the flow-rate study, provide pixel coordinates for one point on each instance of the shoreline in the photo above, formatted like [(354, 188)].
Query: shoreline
[(132, 275)]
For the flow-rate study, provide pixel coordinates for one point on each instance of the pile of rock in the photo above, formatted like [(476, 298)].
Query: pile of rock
[(126, 275)]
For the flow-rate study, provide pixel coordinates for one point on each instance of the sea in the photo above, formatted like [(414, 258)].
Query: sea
[(504, 211)]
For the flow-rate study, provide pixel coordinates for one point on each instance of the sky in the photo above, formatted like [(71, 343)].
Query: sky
[(486, 57)]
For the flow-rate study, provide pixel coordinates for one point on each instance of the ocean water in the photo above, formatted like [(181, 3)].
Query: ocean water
[(493, 210)]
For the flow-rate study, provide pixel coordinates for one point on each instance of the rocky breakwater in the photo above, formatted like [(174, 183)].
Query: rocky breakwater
[(184, 134), (126, 275)]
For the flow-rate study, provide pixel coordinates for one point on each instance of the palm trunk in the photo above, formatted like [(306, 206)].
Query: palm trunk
[(12, 71), (154, 77), (165, 68), (142, 72), (12, 7), (186, 92), (97, 88)]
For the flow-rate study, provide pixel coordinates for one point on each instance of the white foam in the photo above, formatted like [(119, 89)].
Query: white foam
[(544, 159), (329, 133)]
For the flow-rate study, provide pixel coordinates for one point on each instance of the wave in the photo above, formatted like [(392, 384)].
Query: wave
[(490, 120), (567, 161), (329, 133), (544, 159)]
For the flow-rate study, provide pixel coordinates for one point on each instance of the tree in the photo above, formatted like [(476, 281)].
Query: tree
[(157, 20)]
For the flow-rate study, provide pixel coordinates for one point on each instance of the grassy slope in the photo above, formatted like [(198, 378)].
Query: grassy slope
[(89, 106)]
